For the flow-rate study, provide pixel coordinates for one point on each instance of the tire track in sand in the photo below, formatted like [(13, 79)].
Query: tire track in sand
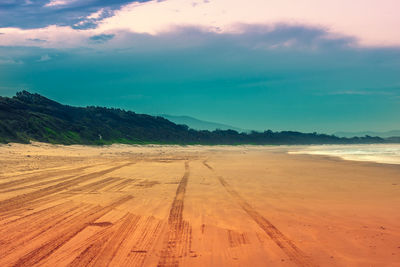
[(113, 245), (178, 240), (79, 224), (107, 243), (42, 175), (149, 232), (22, 200), (124, 243), (30, 231), (287, 245)]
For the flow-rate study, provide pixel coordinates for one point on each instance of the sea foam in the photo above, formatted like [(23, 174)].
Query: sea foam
[(382, 153)]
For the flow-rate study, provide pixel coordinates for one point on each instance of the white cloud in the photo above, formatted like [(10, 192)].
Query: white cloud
[(372, 22), (96, 15), (44, 58), (55, 36), (53, 3), (9, 61), (377, 25)]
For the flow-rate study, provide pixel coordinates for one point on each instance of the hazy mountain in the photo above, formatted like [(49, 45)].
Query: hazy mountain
[(394, 133), (200, 124), (27, 116)]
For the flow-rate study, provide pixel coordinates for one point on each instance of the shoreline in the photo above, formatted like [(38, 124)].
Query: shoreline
[(384, 153), (288, 149)]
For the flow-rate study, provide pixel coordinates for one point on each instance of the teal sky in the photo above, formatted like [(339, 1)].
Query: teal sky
[(280, 76)]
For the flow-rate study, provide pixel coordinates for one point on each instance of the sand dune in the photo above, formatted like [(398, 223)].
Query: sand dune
[(194, 206)]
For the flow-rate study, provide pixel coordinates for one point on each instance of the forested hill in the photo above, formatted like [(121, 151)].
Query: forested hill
[(27, 116)]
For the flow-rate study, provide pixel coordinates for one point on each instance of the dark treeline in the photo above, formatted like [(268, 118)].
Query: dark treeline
[(27, 116)]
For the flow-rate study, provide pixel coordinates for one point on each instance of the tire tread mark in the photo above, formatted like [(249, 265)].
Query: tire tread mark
[(287, 245), (120, 186), (41, 176), (94, 186), (22, 200), (138, 252), (178, 237), (33, 216), (50, 223), (113, 245), (52, 181), (44, 251), (107, 243)]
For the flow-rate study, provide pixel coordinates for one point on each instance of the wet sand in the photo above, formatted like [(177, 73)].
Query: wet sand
[(194, 206)]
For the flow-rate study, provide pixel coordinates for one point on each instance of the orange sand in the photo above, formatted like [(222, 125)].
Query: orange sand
[(194, 206)]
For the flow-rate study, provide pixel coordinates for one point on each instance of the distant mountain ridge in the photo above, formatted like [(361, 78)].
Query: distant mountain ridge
[(394, 133), (197, 124), (28, 116)]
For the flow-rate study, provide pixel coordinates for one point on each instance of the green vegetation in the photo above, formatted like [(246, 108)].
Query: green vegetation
[(27, 116)]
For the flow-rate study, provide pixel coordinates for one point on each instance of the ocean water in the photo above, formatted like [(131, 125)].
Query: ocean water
[(381, 153)]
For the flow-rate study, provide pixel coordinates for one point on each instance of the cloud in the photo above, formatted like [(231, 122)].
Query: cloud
[(91, 21), (254, 36), (101, 38), (58, 3), (357, 92), (7, 61), (341, 16), (42, 13), (390, 90), (36, 40), (293, 36), (285, 37), (223, 16), (45, 57)]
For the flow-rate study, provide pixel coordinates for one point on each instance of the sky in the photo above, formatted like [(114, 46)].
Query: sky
[(305, 65)]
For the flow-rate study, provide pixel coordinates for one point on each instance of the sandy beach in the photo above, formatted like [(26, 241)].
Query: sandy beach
[(126, 205)]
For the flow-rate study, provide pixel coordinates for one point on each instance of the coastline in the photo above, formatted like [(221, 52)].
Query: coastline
[(378, 153)]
